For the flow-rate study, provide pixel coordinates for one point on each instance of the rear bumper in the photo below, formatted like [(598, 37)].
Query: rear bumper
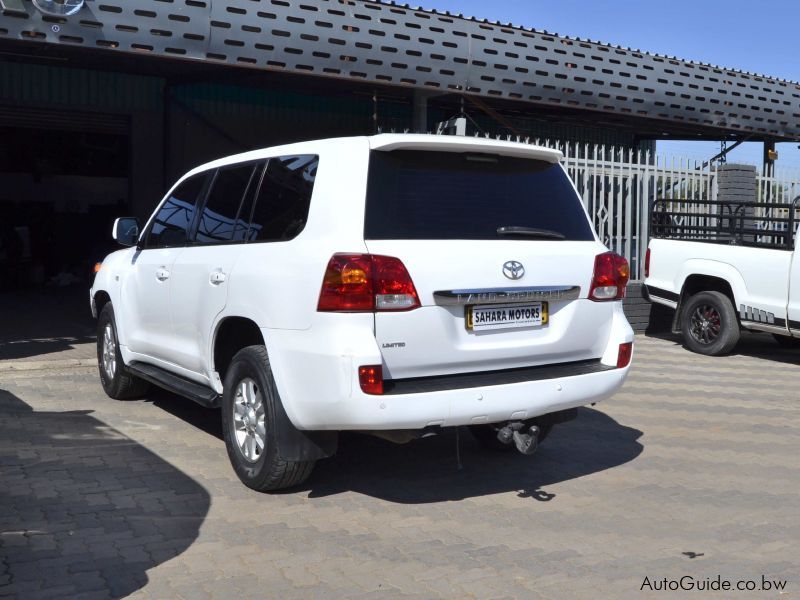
[(471, 406), (316, 373)]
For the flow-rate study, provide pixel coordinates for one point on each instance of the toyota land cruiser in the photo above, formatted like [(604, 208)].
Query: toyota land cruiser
[(394, 285)]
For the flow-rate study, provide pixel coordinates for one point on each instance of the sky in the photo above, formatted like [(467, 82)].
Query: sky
[(760, 37)]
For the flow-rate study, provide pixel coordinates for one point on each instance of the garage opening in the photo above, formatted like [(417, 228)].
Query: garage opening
[(64, 176)]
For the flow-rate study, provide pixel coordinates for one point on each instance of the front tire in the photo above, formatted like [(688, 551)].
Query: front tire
[(709, 324), (249, 425), (117, 382)]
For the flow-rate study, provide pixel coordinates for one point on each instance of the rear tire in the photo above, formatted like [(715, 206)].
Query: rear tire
[(486, 435), (249, 425), (117, 382), (709, 324)]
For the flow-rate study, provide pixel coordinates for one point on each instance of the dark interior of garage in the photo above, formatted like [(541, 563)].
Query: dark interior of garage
[(58, 189)]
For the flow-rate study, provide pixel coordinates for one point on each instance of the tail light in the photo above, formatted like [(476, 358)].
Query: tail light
[(371, 379), (625, 355), (366, 283), (647, 263), (611, 274)]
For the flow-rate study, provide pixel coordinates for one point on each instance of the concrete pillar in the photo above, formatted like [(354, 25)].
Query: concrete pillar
[(736, 185), (420, 111), (146, 177)]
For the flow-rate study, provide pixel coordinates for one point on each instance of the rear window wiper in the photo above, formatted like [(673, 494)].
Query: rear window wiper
[(531, 233)]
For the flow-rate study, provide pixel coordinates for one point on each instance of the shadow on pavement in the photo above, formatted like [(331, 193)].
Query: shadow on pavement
[(205, 419), (83, 507), (43, 321), (427, 470), (752, 344)]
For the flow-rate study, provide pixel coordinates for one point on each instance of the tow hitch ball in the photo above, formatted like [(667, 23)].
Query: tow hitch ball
[(525, 438)]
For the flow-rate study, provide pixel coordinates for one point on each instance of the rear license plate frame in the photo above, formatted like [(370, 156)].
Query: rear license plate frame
[(504, 325)]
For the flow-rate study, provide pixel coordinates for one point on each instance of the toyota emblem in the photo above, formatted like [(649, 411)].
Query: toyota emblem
[(513, 270)]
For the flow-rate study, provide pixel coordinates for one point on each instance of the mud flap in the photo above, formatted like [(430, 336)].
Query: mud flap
[(297, 445)]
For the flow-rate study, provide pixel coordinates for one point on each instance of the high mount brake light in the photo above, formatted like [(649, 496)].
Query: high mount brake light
[(366, 283), (611, 274)]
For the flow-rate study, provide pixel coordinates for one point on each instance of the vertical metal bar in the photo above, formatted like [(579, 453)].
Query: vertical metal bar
[(620, 203), (629, 235)]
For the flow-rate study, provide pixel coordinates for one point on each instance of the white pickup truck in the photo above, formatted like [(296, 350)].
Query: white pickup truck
[(724, 268)]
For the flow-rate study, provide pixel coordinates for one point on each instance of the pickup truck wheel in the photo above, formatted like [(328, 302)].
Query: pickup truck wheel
[(486, 435), (249, 425), (117, 382), (709, 324)]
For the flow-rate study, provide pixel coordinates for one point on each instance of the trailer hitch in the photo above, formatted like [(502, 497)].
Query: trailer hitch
[(525, 437)]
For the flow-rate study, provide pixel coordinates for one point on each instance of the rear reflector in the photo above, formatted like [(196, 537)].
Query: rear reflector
[(625, 355), (611, 274), (371, 379), (647, 263), (366, 283)]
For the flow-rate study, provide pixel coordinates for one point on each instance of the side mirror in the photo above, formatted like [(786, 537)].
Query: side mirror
[(126, 231)]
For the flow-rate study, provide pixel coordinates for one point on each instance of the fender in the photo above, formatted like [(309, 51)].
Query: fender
[(712, 268), (293, 443), (109, 280)]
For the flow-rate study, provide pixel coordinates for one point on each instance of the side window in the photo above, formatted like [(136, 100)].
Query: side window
[(174, 219), (220, 221), (281, 209)]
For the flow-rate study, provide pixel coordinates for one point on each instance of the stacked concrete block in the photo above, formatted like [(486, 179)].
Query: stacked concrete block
[(736, 185)]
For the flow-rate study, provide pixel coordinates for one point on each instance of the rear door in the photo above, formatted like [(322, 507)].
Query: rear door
[(201, 274), (501, 253)]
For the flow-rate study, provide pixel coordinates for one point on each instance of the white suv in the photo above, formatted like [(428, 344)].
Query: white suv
[(392, 285)]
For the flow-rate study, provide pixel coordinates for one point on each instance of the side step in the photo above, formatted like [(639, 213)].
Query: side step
[(197, 392)]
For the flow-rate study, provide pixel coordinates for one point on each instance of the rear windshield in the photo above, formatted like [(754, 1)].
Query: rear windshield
[(420, 195)]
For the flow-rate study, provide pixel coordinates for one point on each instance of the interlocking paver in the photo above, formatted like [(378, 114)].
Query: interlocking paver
[(695, 457)]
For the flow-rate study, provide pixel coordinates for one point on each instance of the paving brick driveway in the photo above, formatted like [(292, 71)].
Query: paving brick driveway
[(694, 469)]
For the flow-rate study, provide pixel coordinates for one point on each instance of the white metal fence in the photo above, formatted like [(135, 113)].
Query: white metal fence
[(618, 187)]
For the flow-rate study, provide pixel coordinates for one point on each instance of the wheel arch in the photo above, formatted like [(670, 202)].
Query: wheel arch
[(232, 333), (101, 298)]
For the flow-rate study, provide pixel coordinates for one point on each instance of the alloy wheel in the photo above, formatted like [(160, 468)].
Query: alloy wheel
[(706, 324), (248, 420), (109, 351)]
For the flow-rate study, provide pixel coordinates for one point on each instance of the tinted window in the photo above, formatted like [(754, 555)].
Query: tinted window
[(220, 220), (443, 195), (281, 208), (174, 219)]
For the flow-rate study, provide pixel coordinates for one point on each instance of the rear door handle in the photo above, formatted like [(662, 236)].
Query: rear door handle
[(217, 277), (162, 274)]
